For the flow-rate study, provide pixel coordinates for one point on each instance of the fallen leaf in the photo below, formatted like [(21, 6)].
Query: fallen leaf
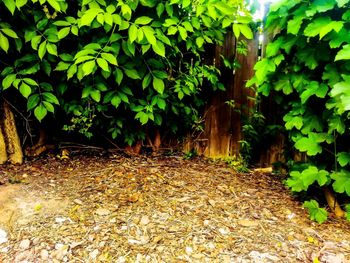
[(248, 223)]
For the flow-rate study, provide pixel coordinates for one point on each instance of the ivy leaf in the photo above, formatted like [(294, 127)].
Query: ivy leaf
[(294, 25), (343, 54), (341, 3), (314, 89), (314, 28), (293, 121), (40, 112), (158, 85), (308, 145), (317, 214), (343, 158), (301, 181), (341, 181), (334, 25)]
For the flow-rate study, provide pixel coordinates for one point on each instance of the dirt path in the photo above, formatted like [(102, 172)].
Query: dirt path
[(164, 209)]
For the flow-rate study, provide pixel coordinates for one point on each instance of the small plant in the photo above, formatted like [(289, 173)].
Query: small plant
[(238, 163), (190, 154)]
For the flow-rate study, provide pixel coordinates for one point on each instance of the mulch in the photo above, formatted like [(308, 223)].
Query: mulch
[(119, 208)]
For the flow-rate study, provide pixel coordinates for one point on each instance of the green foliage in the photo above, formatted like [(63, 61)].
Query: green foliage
[(134, 62), (316, 212), (307, 70)]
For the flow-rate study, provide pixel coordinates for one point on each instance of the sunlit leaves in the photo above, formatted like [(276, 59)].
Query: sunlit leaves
[(316, 213)]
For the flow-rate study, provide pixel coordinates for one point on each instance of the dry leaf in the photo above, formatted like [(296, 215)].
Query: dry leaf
[(248, 223)]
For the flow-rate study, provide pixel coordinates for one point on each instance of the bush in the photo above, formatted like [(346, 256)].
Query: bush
[(307, 70), (124, 67)]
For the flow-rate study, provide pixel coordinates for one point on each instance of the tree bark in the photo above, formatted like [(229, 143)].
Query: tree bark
[(12, 150), (3, 152)]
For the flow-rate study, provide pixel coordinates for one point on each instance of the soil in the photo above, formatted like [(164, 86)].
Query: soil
[(119, 208)]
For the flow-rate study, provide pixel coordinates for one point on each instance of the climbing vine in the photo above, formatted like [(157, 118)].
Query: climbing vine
[(122, 66), (307, 70)]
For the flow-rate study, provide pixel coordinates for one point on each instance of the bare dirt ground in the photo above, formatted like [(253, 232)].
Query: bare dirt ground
[(156, 209)]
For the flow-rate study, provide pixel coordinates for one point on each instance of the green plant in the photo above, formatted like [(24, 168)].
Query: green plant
[(307, 70), (238, 163), (134, 62)]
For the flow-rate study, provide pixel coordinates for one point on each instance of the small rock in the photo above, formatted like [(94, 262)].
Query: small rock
[(93, 254), (24, 245), (4, 250), (78, 201), (44, 254), (3, 236), (102, 212), (333, 258), (144, 220), (189, 250), (60, 251)]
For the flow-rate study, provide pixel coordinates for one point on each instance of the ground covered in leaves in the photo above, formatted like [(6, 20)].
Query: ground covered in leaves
[(118, 208)]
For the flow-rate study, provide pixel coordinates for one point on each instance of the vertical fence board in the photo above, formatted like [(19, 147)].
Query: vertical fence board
[(223, 127)]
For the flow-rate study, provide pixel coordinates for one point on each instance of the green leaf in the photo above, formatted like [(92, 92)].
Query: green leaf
[(89, 16), (95, 95), (159, 48), (116, 101), (341, 181), (40, 112), (301, 181), (161, 104), (42, 50), (8, 80), (9, 32), (132, 73), (343, 158), (344, 53), (293, 121), (103, 64), (143, 20), (118, 76), (317, 214), (25, 90), (133, 33), (51, 49), (146, 80), (158, 85), (88, 67), (308, 145), (63, 32), (183, 32), (142, 116), (55, 5), (31, 82), (341, 3), (315, 27), (4, 43), (294, 25), (49, 97), (245, 30), (33, 101), (61, 66), (110, 58), (149, 34), (11, 5), (49, 106)]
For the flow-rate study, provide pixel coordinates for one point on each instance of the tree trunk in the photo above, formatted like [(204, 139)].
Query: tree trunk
[(10, 145)]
